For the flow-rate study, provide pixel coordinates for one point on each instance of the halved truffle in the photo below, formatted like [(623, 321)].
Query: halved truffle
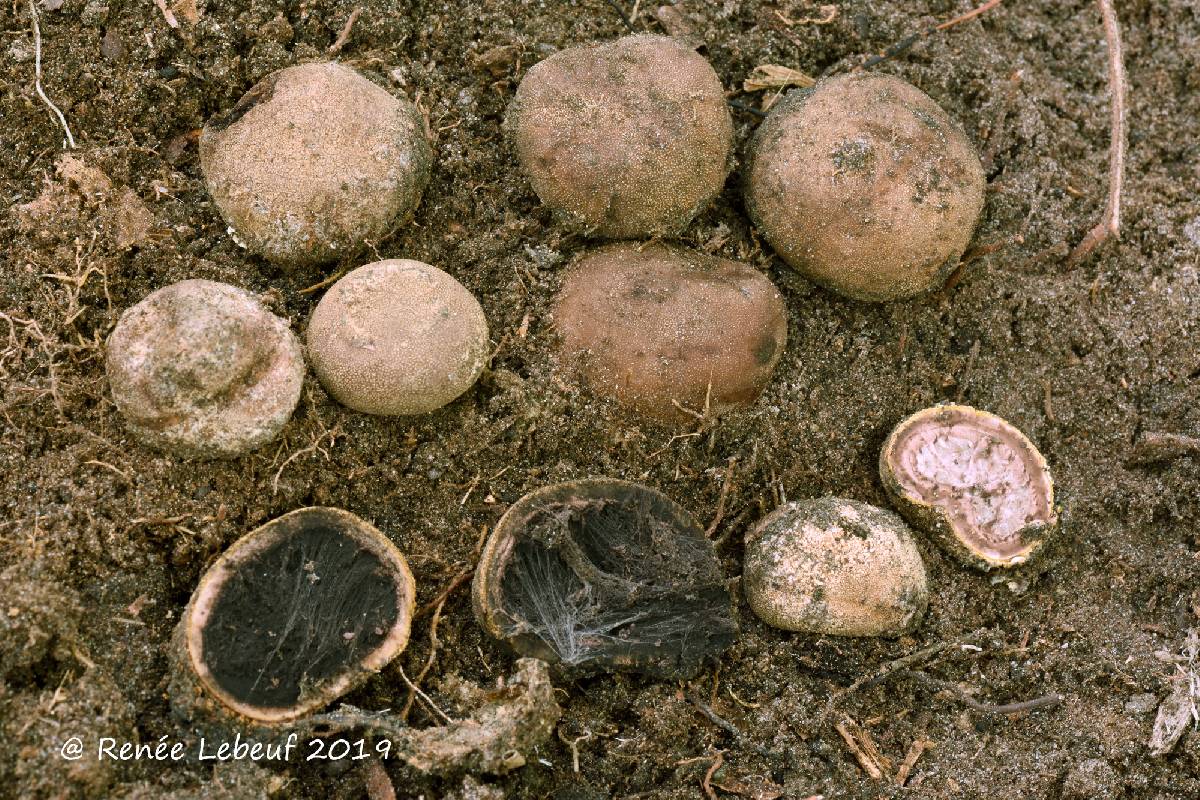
[(292, 616), (603, 574), (974, 481), (659, 329)]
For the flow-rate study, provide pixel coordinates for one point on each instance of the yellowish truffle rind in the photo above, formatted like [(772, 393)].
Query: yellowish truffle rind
[(864, 185), (314, 161), (625, 139), (835, 566), (397, 337), (934, 520)]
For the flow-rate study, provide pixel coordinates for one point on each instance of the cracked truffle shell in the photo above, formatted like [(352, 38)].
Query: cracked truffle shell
[(626, 139), (202, 369), (835, 566), (974, 482), (656, 328), (865, 186), (397, 337), (314, 161)]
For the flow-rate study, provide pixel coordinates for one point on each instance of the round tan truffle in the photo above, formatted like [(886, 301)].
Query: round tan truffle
[(293, 615), (397, 337), (834, 566), (628, 139), (656, 328), (865, 186), (973, 481), (201, 368), (314, 161)]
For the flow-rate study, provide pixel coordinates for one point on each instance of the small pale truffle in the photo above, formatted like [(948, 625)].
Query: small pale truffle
[(834, 566), (397, 337), (865, 186), (627, 139), (973, 481), (202, 369), (657, 328), (314, 161)]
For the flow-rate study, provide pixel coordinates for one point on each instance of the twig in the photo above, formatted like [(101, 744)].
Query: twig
[(37, 75), (621, 13), (867, 760), (168, 15), (344, 36), (422, 695), (436, 603), (1047, 701), (720, 513), (727, 726), (433, 648), (1110, 220), (376, 781), (908, 41), (749, 109), (706, 784), (919, 746), (891, 668)]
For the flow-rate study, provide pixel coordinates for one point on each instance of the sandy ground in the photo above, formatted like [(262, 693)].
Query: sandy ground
[(102, 541)]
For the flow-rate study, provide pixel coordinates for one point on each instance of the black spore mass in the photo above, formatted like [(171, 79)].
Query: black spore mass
[(613, 575), (304, 610)]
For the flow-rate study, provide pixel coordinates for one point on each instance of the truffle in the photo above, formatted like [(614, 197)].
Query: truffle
[(865, 186), (293, 615), (314, 161), (397, 337), (973, 481), (602, 574), (201, 368), (834, 566), (628, 138), (659, 328)]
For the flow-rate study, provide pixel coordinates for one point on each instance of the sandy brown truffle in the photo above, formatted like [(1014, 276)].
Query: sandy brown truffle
[(397, 337), (603, 574), (834, 566), (652, 327), (201, 368), (314, 161), (974, 481), (292, 616), (865, 186), (629, 138)]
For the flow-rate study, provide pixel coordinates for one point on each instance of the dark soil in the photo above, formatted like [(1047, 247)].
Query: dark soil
[(102, 541)]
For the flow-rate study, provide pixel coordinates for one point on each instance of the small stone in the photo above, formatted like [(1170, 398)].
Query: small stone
[(865, 186), (314, 161), (658, 328), (626, 139), (202, 369), (397, 337), (834, 566)]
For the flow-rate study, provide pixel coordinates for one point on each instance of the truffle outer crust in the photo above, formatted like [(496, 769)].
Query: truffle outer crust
[(865, 186), (647, 325), (936, 521), (835, 566), (314, 161), (196, 696), (397, 337), (202, 369), (630, 138)]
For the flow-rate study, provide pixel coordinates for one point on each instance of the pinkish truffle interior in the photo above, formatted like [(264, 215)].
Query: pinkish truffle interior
[(981, 472)]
